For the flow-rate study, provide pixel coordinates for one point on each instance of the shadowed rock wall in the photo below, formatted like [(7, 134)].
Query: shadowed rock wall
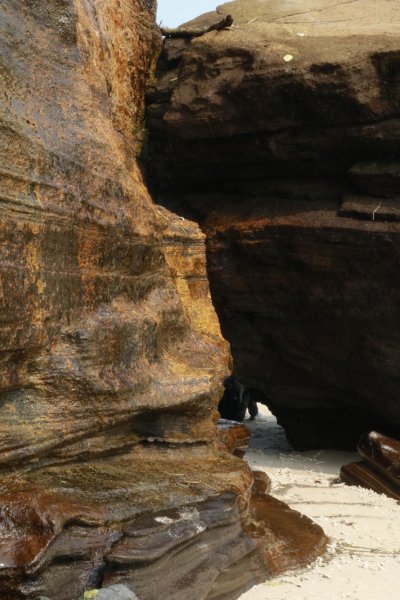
[(111, 358), (280, 136)]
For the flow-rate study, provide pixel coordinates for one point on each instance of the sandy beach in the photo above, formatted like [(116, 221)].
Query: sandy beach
[(363, 561)]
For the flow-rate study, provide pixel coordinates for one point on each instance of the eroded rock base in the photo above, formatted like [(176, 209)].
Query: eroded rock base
[(166, 522)]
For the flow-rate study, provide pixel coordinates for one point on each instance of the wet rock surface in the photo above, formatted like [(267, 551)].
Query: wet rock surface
[(280, 137), (112, 361), (380, 468)]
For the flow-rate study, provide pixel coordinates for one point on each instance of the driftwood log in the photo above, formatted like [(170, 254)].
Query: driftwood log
[(193, 32)]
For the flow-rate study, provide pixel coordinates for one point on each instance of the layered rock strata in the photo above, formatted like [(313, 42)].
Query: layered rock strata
[(380, 468), (111, 356), (280, 136)]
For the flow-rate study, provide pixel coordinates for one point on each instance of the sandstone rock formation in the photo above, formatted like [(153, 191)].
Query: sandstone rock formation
[(280, 136), (111, 356), (380, 468)]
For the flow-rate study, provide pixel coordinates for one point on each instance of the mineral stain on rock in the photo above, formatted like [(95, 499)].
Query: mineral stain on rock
[(111, 357)]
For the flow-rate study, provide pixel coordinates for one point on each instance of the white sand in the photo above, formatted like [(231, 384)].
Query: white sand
[(363, 562)]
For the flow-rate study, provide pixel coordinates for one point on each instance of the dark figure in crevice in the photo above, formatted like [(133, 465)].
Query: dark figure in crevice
[(236, 400)]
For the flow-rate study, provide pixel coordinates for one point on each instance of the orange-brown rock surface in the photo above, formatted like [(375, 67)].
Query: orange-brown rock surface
[(280, 135), (111, 356)]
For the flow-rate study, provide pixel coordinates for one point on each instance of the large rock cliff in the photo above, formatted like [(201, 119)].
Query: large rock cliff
[(111, 356), (280, 135)]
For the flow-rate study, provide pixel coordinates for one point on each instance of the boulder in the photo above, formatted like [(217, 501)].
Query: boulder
[(361, 474), (380, 468), (280, 137), (235, 436), (114, 592)]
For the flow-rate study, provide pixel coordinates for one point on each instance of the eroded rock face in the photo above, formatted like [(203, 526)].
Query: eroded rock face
[(111, 356), (280, 136)]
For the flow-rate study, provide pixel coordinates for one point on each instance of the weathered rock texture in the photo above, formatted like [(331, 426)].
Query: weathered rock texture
[(281, 137), (111, 355), (380, 468)]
